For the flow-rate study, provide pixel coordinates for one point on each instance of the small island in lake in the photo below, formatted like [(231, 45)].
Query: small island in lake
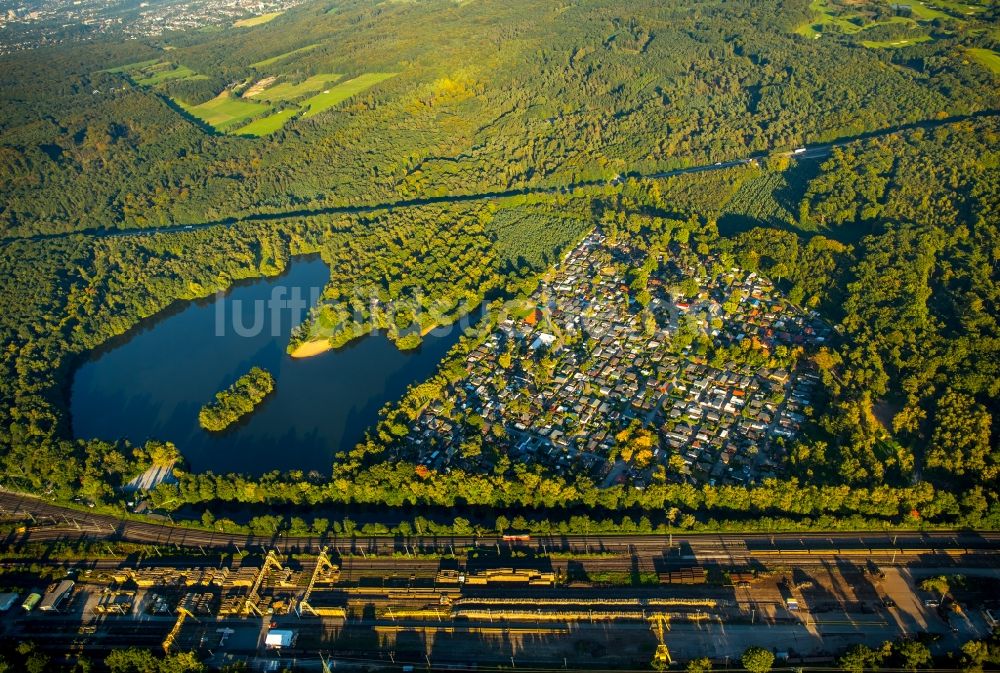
[(237, 400)]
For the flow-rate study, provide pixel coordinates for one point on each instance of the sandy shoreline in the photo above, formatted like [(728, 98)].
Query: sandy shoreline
[(316, 346), (310, 348)]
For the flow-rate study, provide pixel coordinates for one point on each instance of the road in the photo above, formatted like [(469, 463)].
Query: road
[(816, 151), (55, 522)]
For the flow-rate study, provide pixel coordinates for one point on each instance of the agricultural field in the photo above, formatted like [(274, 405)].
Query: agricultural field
[(267, 125), (343, 91), (224, 111), (257, 20), (285, 91), (986, 57), (281, 57)]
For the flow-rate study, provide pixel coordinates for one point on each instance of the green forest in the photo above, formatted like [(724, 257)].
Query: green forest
[(495, 146), (506, 95), (236, 401)]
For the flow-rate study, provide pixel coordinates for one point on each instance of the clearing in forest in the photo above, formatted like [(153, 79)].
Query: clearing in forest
[(223, 111), (257, 20), (851, 22), (267, 125), (129, 67), (343, 91), (895, 44), (163, 72), (959, 8), (281, 57), (291, 90), (155, 71), (259, 86), (986, 57)]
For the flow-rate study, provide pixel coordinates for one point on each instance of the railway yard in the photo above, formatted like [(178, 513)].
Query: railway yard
[(494, 601)]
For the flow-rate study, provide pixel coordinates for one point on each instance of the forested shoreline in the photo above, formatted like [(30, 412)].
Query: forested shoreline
[(894, 240)]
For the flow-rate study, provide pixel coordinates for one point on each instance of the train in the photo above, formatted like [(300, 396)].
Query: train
[(516, 537)]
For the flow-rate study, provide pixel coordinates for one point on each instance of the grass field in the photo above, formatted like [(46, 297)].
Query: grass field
[(161, 72), (257, 20), (281, 57), (129, 67), (824, 16), (895, 44), (851, 23), (290, 91), (925, 13), (266, 125), (343, 91), (986, 57), (958, 8), (223, 112)]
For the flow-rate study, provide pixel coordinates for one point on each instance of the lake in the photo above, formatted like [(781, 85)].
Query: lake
[(151, 383)]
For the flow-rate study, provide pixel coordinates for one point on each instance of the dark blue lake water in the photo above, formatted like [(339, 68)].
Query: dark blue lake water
[(151, 383)]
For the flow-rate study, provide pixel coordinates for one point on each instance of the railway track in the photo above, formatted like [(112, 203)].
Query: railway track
[(49, 522)]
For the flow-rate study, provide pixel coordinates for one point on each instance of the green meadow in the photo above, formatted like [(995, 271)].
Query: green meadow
[(986, 57), (224, 111), (154, 71), (343, 91), (230, 113), (267, 125), (895, 44), (852, 23), (289, 91), (925, 13), (959, 8), (257, 20), (129, 67), (162, 72), (281, 57)]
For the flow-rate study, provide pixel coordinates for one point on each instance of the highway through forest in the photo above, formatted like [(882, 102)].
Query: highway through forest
[(816, 151), (47, 522)]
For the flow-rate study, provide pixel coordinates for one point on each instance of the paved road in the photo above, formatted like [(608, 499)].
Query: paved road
[(53, 522)]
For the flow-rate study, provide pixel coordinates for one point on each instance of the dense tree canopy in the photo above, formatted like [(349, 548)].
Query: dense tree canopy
[(501, 142)]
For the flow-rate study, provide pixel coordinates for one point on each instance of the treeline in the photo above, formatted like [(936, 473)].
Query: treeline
[(397, 484), (554, 100), (459, 521), (236, 401), (972, 656), (27, 656)]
